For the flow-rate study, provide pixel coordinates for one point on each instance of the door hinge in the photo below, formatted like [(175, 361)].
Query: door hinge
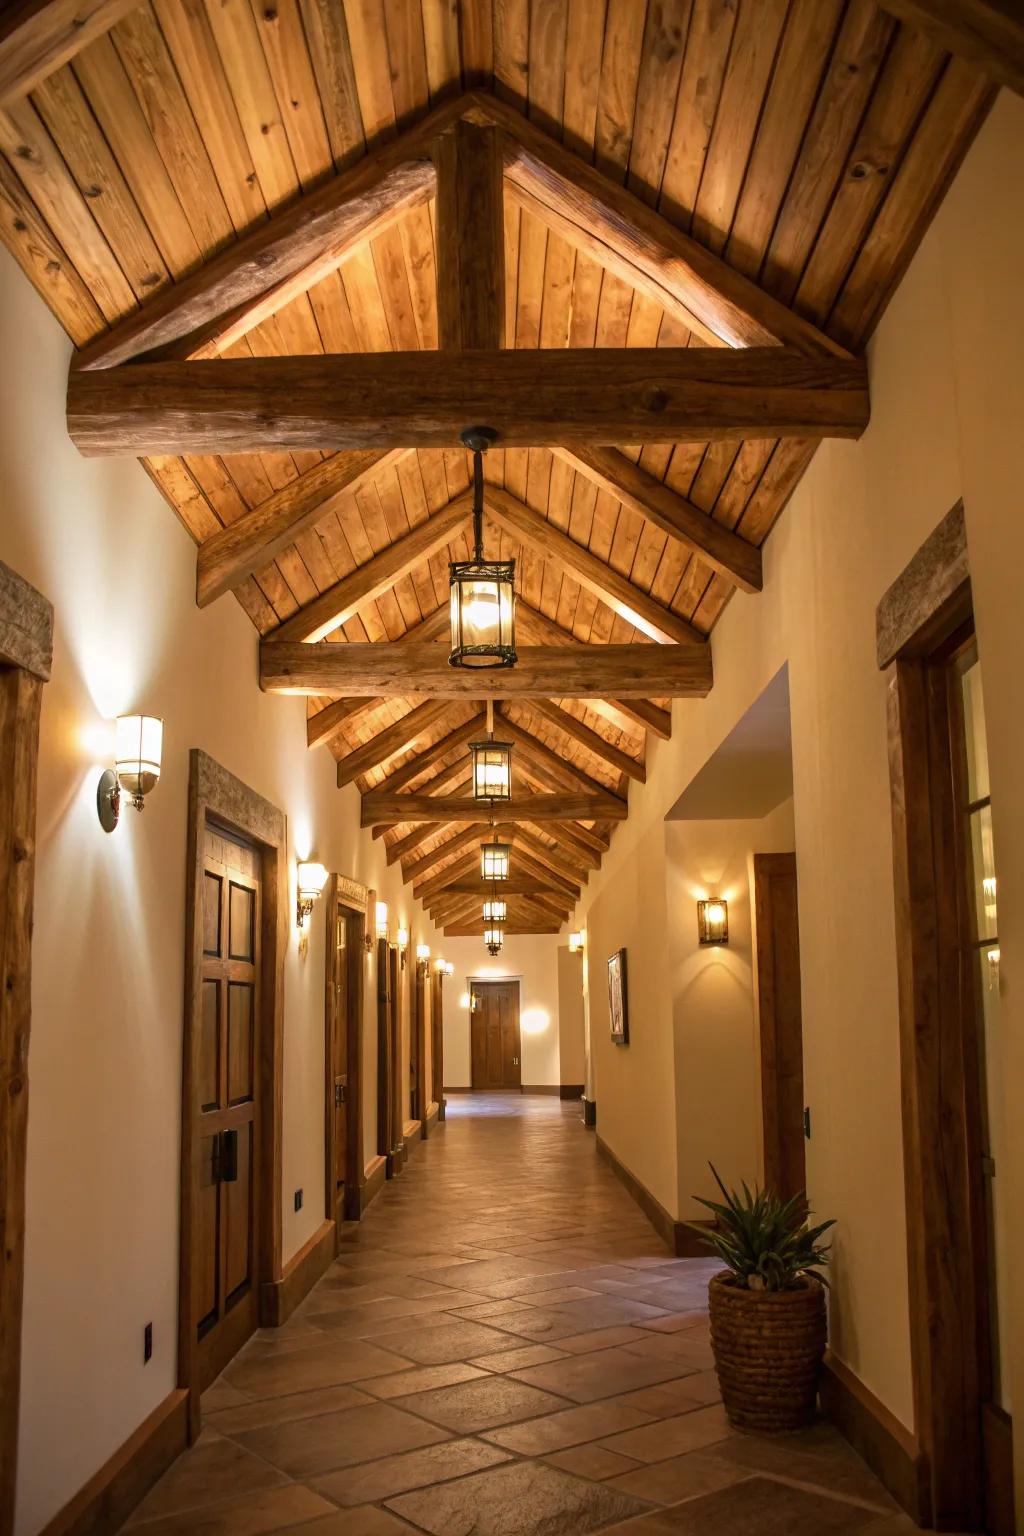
[(339, 1094)]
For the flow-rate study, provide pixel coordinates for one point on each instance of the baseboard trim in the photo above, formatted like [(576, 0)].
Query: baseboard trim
[(103, 1505), (459, 1088), (411, 1134), (677, 1235), (433, 1116), (570, 1090), (589, 1112), (539, 1088), (375, 1176), (279, 1298), (889, 1448)]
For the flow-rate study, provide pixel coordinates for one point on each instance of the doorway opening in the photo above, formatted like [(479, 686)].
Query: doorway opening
[(495, 1041), (344, 1172), (390, 1124)]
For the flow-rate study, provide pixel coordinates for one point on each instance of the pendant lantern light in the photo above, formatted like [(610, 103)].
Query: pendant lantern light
[(495, 860), (495, 910), (482, 591), (492, 770), (493, 939)]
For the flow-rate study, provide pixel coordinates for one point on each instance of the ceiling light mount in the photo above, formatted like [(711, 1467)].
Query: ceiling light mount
[(482, 591)]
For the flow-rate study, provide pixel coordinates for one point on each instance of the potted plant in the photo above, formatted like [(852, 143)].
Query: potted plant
[(767, 1307)]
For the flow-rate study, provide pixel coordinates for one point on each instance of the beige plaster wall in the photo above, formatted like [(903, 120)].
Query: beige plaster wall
[(572, 1064), (533, 959), (947, 407), (105, 1059)]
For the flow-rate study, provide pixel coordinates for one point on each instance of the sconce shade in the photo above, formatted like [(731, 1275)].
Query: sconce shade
[(439, 966), (713, 921), (449, 967), (576, 943), (483, 613), (312, 877), (381, 919), (493, 939), (402, 938), (492, 770), (495, 911), (495, 859), (138, 749), (422, 951)]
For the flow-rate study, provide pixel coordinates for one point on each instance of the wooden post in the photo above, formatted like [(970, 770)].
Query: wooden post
[(470, 239)]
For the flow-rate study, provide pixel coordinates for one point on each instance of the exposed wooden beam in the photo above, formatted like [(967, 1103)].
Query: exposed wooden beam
[(576, 562), (470, 238), (327, 722), (584, 842), (459, 930), (460, 737), (391, 670), (206, 312), (423, 890), (232, 554), (987, 33), (562, 774), (462, 839), (39, 36), (325, 612), (457, 775), (627, 237), (589, 740), (515, 885), (411, 841), (534, 855), (626, 714), (536, 808), (394, 738), (418, 400), (717, 546)]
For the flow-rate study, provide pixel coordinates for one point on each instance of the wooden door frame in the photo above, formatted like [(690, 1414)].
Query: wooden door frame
[(927, 605), (497, 981), (765, 866), (26, 659), (437, 1041), (217, 798), (418, 1043), (350, 898)]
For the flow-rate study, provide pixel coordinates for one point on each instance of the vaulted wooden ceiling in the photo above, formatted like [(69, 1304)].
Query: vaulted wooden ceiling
[(689, 175)]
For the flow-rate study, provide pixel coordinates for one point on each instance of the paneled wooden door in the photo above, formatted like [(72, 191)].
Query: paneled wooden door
[(338, 1107), (494, 1034), (781, 1026), (227, 1140)]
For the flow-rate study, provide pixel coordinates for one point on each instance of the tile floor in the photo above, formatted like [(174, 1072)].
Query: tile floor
[(504, 1347)]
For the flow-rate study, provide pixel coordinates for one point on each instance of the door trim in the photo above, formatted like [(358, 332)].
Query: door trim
[(26, 651), (216, 797), (498, 981), (351, 898), (771, 1036)]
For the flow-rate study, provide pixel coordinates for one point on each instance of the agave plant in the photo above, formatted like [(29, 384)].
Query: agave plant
[(763, 1241)]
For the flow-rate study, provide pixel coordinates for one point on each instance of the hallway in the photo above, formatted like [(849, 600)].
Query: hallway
[(504, 1346)]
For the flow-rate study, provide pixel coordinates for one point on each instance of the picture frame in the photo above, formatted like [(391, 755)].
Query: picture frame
[(618, 998)]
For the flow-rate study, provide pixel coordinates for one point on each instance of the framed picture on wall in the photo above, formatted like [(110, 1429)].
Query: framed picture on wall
[(618, 998)]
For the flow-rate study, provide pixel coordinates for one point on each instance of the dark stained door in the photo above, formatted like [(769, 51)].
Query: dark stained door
[(494, 1034), (778, 991), (339, 1107), (228, 1120)]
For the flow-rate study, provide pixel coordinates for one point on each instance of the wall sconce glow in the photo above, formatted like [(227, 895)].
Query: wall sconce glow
[(492, 770), (495, 860), (495, 911), (439, 966), (534, 1021), (713, 921), (465, 1001), (311, 878), (138, 747), (493, 939), (422, 957), (381, 919), (576, 942), (449, 967), (402, 940)]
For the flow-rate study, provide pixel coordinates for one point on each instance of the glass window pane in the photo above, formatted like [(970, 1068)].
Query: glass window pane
[(974, 734), (984, 873)]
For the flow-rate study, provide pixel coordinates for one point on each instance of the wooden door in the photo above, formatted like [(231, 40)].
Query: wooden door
[(338, 1106), (385, 1063), (778, 992), (437, 1042), (227, 1136), (396, 1081), (494, 1034)]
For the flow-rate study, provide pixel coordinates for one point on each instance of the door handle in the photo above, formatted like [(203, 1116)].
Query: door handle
[(229, 1157)]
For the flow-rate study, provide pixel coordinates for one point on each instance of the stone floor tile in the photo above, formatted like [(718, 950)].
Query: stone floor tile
[(303, 1370), (252, 1514), (443, 1342), (421, 1379), (213, 1468), (278, 1410), (518, 1359), (672, 1437), (513, 1501), (368, 1521), (377, 1480), (758, 1506), (601, 1338), (303, 1447), (593, 1461), (485, 1404), (601, 1374), (572, 1426), (680, 1477)]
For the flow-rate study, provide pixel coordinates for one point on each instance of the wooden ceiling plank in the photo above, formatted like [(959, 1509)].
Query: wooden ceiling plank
[(589, 740), (423, 890), (460, 737), (581, 840), (675, 515), (378, 808), (384, 744), (38, 37), (478, 832), (258, 536), (417, 399), (534, 867), (317, 619), (515, 885), (623, 234), (569, 869), (243, 285), (470, 238), (388, 670), (579, 564), (988, 34), (559, 770), (625, 713), (326, 723)]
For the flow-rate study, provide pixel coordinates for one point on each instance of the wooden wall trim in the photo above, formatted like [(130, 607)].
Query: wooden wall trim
[(889, 1448), (108, 1498), (932, 592), (375, 1176), (570, 1090), (26, 626), (279, 1298), (676, 1235)]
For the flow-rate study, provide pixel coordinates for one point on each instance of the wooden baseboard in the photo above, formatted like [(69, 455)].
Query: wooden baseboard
[(589, 1112), (279, 1298), (888, 1447), (375, 1176), (459, 1088), (677, 1235), (433, 1115), (570, 1090), (112, 1493), (411, 1134)]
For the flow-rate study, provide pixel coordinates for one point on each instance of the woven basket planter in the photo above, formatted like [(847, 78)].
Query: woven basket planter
[(768, 1347)]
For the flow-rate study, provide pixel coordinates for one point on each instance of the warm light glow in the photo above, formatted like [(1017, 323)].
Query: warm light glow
[(449, 967), (534, 1021), (402, 938), (495, 859), (493, 939), (482, 613), (310, 879), (495, 911), (138, 748), (576, 942), (422, 951), (465, 1001), (713, 921), (439, 966), (381, 919), (492, 770)]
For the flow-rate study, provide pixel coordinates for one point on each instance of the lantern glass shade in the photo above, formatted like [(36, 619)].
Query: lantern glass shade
[(381, 919), (495, 911), (495, 859), (422, 951), (137, 752), (483, 613), (492, 770), (493, 939), (576, 943), (713, 921), (312, 877), (402, 938)]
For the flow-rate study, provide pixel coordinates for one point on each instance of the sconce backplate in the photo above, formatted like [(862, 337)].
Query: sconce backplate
[(108, 800)]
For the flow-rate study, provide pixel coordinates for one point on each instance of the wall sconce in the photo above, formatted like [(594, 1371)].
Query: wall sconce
[(713, 921), (492, 770), (493, 939), (311, 878), (440, 967), (422, 958), (495, 911), (449, 967), (576, 942), (381, 919), (138, 748), (495, 859), (402, 940)]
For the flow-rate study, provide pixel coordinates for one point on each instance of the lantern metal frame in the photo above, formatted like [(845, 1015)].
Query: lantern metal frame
[(713, 920), (495, 910), (493, 938), (501, 574), (500, 856), (502, 753)]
